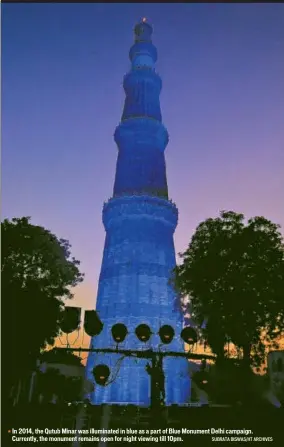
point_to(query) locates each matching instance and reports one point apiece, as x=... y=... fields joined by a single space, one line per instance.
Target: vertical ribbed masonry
x=139 y=250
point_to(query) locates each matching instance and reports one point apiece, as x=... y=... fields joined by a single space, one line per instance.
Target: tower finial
x=143 y=31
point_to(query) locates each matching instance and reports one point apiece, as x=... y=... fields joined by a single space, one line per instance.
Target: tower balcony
x=133 y=133
x=143 y=207
x=143 y=54
x=135 y=78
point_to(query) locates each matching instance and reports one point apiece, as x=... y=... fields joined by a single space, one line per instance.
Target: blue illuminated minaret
x=139 y=252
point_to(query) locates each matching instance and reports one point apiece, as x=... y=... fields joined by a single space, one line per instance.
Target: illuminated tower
x=139 y=253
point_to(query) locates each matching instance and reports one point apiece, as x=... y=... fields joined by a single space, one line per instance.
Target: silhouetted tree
x=234 y=275
x=38 y=272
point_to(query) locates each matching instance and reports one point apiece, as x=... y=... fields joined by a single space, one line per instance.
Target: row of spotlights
x=93 y=326
x=143 y=333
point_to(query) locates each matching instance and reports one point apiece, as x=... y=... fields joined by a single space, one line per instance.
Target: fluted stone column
x=139 y=252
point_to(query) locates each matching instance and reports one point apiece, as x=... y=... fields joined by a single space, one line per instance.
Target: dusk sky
x=222 y=67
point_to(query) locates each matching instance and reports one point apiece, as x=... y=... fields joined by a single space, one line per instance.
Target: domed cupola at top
x=143 y=54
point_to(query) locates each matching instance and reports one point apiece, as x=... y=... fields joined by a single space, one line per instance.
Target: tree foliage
x=38 y=273
x=234 y=275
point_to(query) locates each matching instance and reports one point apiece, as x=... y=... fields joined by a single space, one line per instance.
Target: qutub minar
x=139 y=253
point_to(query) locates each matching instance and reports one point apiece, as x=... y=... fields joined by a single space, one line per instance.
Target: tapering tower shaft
x=141 y=137
x=139 y=250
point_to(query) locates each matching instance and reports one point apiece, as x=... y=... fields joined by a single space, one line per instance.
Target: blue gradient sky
x=222 y=67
